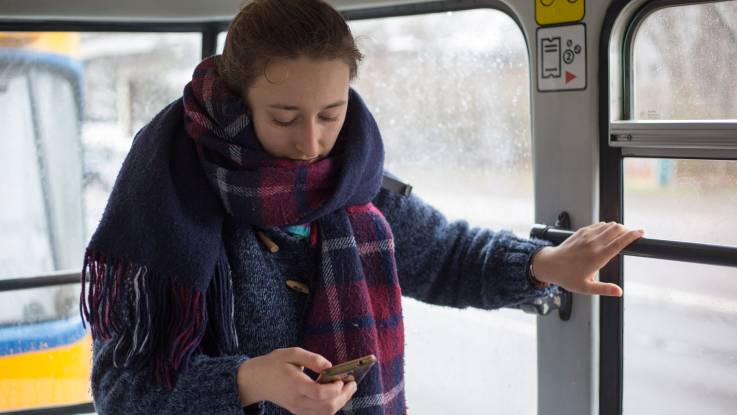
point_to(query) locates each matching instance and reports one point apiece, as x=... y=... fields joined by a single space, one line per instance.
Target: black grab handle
x=656 y=248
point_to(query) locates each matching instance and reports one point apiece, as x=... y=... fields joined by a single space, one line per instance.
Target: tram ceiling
x=142 y=10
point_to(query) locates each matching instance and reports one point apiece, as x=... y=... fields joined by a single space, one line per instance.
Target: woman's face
x=298 y=111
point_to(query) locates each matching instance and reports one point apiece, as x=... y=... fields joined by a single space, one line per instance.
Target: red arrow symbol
x=569 y=77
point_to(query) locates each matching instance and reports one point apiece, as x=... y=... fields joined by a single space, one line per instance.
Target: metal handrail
x=64 y=277
x=84 y=408
x=657 y=248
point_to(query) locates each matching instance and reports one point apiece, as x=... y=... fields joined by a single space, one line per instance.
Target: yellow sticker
x=558 y=11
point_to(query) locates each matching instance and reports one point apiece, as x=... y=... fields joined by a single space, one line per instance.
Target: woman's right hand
x=278 y=377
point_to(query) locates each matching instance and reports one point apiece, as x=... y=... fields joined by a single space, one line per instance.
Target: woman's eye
x=283 y=123
x=328 y=119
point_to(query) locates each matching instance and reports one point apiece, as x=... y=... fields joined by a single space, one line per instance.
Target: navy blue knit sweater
x=438 y=262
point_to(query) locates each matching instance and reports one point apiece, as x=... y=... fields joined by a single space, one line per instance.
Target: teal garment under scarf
x=298 y=231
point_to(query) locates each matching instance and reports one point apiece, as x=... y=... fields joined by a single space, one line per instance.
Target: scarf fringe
x=154 y=319
x=221 y=338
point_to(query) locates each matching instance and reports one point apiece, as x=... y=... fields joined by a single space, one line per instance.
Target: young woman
x=248 y=244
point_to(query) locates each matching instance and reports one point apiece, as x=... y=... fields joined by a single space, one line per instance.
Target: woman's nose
x=309 y=142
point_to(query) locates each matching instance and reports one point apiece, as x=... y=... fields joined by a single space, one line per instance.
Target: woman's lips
x=307 y=158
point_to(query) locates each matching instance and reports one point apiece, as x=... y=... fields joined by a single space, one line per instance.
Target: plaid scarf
x=160 y=241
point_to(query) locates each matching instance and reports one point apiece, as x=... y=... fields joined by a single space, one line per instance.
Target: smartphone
x=354 y=370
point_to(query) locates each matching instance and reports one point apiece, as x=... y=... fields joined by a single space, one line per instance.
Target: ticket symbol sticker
x=549 y=12
x=561 y=58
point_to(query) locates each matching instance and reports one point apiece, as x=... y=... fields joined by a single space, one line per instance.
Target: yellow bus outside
x=45 y=362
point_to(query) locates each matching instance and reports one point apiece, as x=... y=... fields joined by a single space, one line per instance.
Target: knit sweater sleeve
x=208 y=387
x=452 y=264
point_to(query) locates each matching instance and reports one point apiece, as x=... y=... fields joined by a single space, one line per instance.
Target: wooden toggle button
x=298 y=286
x=270 y=245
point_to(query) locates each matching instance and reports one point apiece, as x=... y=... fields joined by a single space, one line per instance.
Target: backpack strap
x=395 y=185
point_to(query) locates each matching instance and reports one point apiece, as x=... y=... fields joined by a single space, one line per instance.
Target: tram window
x=700 y=196
x=41 y=178
x=221 y=42
x=450 y=93
x=64 y=149
x=24 y=243
x=679 y=338
x=684 y=59
x=128 y=77
x=679 y=318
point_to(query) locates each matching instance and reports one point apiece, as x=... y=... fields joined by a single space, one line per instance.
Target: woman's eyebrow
x=295 y=108
x=335 y=104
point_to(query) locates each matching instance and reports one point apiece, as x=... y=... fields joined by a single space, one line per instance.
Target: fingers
x=291 y=388
x=336 y=398
x=606 y=229
x=586 y=251
x=349 y=388
x=612 y=237
x=594 y=233
x=302 y=357
x=622 y=240
x=603 y=288
x=321 y=391
x=598 y=227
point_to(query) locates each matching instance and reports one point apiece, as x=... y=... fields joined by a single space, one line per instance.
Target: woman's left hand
x=574 y=263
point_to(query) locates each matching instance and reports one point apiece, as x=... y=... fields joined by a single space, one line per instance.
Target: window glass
x=221 y=42
x=679 y=319
x=679 y=337
x=24 y=241
x=129 y=78
x=684 y=200
x=70 y=104
x=684 y=59
x=450 y=93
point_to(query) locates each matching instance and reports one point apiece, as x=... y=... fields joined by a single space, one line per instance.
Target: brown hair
x=267 y=29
